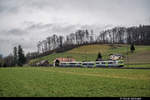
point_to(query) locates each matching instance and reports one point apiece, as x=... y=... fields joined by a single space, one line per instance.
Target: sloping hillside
x=89 y=53
x=90 y=49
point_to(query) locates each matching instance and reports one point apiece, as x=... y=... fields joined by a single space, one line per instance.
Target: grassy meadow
x=140 y=58
x=73 y=82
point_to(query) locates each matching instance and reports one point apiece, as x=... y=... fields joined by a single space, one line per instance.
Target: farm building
x=115 y=56
x=42 y=63
x=58 y=60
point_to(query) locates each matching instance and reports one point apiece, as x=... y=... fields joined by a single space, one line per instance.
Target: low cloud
x=29 y=36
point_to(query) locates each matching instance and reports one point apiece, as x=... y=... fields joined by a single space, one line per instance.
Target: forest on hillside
x=139 y=35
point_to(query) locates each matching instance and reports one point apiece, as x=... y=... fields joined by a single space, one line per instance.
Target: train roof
x=90 y=61
x=71 y=62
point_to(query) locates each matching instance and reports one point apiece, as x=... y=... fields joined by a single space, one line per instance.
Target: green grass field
x=73 y=82
x=89 y=53
x=41 y=81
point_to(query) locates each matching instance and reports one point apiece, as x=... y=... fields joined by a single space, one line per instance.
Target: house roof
x=65 y=59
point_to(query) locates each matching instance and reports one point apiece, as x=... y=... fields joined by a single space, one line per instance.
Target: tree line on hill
x=139 y=35
x=121 y=35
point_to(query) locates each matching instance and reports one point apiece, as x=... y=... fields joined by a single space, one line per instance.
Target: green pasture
x=73 y=82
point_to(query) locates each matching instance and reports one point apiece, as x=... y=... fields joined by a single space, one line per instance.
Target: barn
x=58 y=60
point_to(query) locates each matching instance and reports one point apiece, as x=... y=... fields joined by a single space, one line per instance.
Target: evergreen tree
x=99 y=57
x=57 y=63
x=15 y=55
x=1 y=60
x=21 y=57
x=132 y=48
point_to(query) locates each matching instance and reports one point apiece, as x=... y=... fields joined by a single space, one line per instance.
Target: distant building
x=58 y=60
x=115 y=56
x=43 y=63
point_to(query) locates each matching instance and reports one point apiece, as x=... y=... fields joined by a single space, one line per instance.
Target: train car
x=88 y=64
x=70 y=64
x=101 y=63
x=63 y=64
x=110 y=63
x=92 y=64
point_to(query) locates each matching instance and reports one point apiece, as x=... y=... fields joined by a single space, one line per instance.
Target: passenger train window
x=91 y=64
x=85 y=64
x=72 y=63
x=103 y=62
x=110 y=62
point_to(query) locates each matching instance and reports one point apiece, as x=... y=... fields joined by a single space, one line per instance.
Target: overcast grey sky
x=26 y=22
